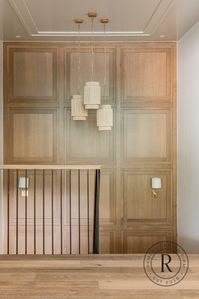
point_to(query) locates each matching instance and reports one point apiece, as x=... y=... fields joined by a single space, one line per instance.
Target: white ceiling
x=130 y=20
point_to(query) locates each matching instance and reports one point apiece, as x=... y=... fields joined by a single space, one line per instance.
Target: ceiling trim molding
x=22 y=11
x=24 y=15
x=157 y=17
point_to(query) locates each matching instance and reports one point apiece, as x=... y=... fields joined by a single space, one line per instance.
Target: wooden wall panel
x=107 y=198
x=139 y=243
x=146 y=134
x=95 y=146
x=33 y=135
x=33 y=73
x=107 y=242
x=39 y=80
x=139 y=204
x=150 y=69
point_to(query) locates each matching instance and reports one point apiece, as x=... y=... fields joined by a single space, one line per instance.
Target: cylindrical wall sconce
x=156 y=184
x=23 y=186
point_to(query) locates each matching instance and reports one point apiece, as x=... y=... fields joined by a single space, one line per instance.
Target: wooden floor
x=103 y=276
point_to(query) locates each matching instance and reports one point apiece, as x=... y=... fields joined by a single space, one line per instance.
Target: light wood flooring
x=88 y=277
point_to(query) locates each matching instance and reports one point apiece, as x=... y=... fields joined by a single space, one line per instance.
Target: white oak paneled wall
x=40 y=79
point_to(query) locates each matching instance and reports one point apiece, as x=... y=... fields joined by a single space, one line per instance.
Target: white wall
x=188 y=140
x=1 y=133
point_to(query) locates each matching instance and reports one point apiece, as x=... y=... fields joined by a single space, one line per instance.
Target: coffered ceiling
x=131 y=20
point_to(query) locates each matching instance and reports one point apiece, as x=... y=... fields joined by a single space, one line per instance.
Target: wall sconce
x=23 y=186
x=156 y=184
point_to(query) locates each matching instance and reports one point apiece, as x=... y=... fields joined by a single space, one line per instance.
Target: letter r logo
x=166 y=263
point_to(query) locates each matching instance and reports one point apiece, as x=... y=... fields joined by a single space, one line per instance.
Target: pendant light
x=92 y=89
x=105 y=112
x=78 y=110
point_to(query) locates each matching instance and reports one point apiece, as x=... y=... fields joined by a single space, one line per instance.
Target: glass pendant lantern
x=78 y=110
x=105 y=112
x=92 y=89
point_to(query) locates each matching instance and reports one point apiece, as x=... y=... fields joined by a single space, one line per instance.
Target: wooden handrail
x=82 y=167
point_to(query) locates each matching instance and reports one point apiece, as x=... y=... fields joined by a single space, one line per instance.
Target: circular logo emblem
x=166 y=263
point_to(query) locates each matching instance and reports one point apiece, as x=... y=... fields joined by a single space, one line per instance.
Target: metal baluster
x=8 y=212
x=35 y=215
x=52 y=204
x=88 y=216
x=79 y=211
x=96 y=213
x=70 y=211
x=61 y=214
x=26 y=211
x=43 y=185
x=17 y=210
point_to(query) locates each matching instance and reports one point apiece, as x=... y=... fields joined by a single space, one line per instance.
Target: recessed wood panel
x=145 y=73
x=33 y=136
x=145 y=134
x=86 y=143
x=107 y=242
x=140 y=243
x=139 y=204
x=33 y=73
x=107 y=197
x=103 y=71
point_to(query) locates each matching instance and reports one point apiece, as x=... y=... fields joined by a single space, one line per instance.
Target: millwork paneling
x=146 y=134
x=107 y=197
x=33 y=135
x=146 y=73
x=139 y=204
x=86 y=143
x=140 y=243
x=33 y=74
x=107 y=241
x=39 y=80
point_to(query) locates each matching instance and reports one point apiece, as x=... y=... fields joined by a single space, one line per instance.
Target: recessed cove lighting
x=88 y=33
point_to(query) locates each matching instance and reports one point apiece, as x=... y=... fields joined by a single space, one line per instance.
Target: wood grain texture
x=138 y=200
x=150 y=71
x=141 y=86
x=149 y=136
x=34 y=74
x=107 y=276
x=30 y=129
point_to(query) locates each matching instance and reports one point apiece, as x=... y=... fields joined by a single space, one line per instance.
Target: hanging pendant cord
x=105 y=61
x=79 y=61
x=78 y=23
x=92 y=51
